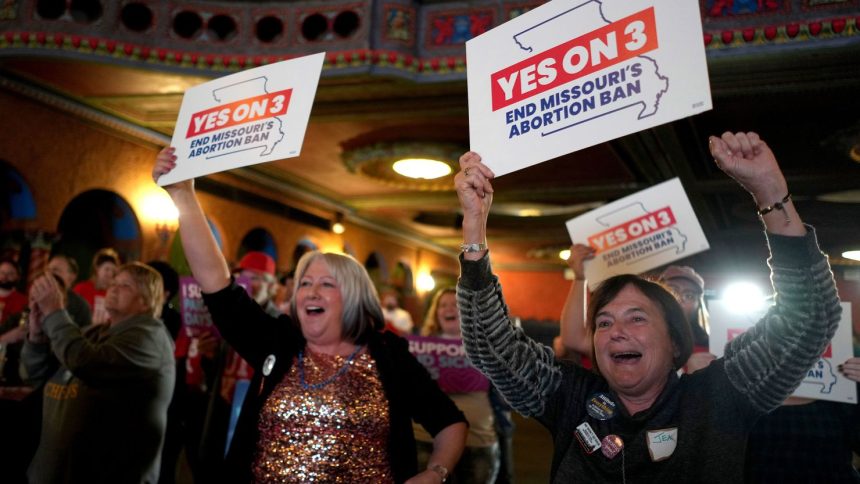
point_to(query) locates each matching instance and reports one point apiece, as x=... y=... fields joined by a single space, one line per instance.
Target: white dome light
x=421 y=168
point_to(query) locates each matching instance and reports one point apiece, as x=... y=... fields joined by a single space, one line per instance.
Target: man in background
x=259 y=268
x=66 y=268
x=398 y=317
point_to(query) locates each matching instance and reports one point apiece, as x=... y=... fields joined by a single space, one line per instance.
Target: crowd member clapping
x=634 y=418
x=333 y=397
x=105 y=408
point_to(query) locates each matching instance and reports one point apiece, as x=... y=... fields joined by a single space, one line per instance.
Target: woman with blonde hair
x=480 y=460
x=332 y=397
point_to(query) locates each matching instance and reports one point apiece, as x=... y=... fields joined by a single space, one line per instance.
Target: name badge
x=587 y=438
x=662 y=443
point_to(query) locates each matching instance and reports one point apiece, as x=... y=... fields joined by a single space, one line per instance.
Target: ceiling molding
x=82 y=111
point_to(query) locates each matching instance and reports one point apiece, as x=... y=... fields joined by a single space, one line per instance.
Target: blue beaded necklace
x=317 y=386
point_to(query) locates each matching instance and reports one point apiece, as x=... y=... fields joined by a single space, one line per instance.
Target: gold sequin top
x=337 y=433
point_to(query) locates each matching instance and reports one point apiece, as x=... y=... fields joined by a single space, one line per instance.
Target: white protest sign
x=574 y=73
x=245 y=118
x=639 y=232
x=822 y=381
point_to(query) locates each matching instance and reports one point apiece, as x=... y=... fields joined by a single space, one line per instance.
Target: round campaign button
x=611 y=445
x=601 y=406
x=268 y=365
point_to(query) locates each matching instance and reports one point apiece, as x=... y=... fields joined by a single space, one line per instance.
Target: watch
x=439 y=469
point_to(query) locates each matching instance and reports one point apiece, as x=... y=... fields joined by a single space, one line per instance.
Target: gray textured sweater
x=703 y=418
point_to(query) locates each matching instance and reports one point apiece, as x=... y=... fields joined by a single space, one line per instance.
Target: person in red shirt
x=12 y=333
x=12 y=301
x=93 y=290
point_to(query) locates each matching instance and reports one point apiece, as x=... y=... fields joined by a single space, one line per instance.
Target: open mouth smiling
x=314 y=310
x=626 y=357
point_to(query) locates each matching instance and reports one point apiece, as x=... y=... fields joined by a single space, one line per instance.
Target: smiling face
x=632 y=346
x=447 y=315
x=319 y=304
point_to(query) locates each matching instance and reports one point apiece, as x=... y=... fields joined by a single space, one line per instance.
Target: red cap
x=258 y=261
x=683 y=272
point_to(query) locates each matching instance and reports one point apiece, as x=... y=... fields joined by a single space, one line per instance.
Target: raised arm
x=574 y=334
x=36 y=356
x=748 y=159
x=769 y=361
x=205 y=259
x=134 y=352
x=524 y=371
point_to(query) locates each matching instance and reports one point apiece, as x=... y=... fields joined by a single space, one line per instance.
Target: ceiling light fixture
x=852 y=254
x=410 y=165
x=421 y=168
x=337 y=226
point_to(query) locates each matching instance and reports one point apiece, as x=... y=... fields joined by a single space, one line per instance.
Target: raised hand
x=473 y=186
x=579 y=253
x=164 y=163
x=46 y=295
x=749 y=160
x=476 y=196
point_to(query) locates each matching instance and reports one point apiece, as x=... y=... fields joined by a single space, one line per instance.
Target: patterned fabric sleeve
x=524 y=371
x=769 y=361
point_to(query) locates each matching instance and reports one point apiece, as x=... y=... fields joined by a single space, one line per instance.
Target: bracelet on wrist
x=439 y=469
x=780 y=205
x=473 y=247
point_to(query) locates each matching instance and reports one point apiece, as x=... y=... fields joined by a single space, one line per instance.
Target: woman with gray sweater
x=633 y=417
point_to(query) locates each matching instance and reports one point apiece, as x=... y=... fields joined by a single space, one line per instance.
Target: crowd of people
x=317 y=362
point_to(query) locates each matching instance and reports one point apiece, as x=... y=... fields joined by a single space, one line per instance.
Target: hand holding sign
x=164 y=163
x=475 y=193
x=851 y=369
x=579 y=253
